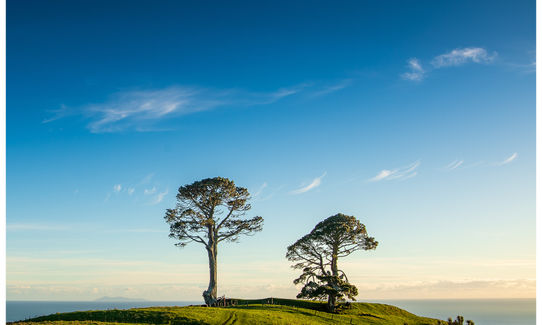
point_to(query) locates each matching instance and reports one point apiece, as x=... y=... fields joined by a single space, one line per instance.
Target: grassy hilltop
x=282 y=311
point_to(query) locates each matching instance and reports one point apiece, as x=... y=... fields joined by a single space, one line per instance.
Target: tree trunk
x=332 y=298
x=210 y=294
x=331 y=301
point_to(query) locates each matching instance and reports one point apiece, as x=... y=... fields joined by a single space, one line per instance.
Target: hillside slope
x=283 y=311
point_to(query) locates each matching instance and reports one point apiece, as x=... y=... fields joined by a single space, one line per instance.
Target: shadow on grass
x=120 y=316
x=296 y=311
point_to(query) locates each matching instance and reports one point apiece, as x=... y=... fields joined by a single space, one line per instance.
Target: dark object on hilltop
x=458 y=321
x=317 y=254
x=208 y=212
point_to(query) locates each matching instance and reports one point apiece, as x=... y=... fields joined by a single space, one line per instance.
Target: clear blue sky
x=417 y=117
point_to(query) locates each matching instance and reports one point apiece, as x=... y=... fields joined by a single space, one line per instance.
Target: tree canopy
x=208 y=212
x=317 y=254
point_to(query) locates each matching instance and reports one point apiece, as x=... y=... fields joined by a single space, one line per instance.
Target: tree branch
x=226 y=218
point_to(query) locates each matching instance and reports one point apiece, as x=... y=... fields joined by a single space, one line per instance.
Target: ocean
x=20 y=310
x=481 y=311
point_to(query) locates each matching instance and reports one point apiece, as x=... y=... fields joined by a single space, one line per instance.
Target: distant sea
x=20 y=310
x=481 y=311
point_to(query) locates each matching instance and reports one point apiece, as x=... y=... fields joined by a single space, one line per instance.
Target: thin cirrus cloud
x=314 y=184
x=461 y=163
x=149 y=191
x=141 y=110
x=34 y=227
x=524 y=67
x=146 y=179
x=453 y=58
x=508 y=160
x=416 y=72
x=332 y=88
x=260 y=189
x=159 y=197
x=462 y=56
x=454 y=164
x=402 y=173
x=138 y=109
x=117 y=188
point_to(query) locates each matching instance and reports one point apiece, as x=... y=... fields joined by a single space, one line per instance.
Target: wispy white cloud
x=126 y=109
x=159 y=197
x=281 y=93
x=523 y=67
x=332 y=88
x=141 y=110
x=383 y=174
x=149 y=191
x=416 y=72
x=528 y=68
x=146 y=179
x=454 y=164
x=137 y=230
x=57 y=114
x=260 y=189
x=461 y=56
x=402 y=173
x=34 y=226
x=315 y=183
x=531 y=67
x=118 y=189
x=508 y=160
x=270 y=195
x=455 y=57
x=74 y=227
x=406 y=176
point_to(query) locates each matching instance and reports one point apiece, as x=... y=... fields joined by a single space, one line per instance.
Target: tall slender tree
x=317 y=255
x=208 y=212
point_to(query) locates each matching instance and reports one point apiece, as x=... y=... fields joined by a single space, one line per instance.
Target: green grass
x=283 y=311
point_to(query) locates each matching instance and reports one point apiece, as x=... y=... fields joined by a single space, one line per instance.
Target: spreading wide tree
x=317 y=255
x=208 y=212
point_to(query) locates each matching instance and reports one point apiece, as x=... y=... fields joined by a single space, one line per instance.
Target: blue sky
x=418 y=118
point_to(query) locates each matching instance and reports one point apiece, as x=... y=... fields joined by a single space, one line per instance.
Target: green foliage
x=459 y=321
x=283 y=311
x=211 y=209
x=325 y=285
x=317 y=254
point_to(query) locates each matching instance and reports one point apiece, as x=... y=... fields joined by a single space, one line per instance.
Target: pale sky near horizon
x=418 y=119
